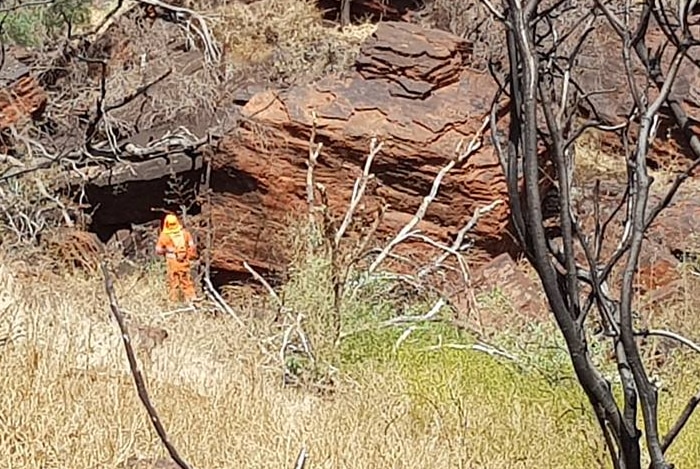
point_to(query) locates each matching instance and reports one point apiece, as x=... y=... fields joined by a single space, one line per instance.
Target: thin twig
x=403 y=337
x=462 y=156
x=218 y=299
x=681 y=422
x=459 y=240
x=172 y=312
x=313 y=158
x=358 y=190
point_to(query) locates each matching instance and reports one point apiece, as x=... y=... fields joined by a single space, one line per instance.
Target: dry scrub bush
x=32 y=206
x=286 y=39
x=471 y=20
x=142 y=54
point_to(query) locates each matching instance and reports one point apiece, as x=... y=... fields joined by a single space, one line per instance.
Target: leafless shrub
x=346 y=246
x=287 y=41
x=181 y=194
x=29 y=208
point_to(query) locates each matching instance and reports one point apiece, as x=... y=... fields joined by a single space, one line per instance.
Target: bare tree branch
x=669 y=335
x=461 y=156
x=136 y=371
x=683 y=419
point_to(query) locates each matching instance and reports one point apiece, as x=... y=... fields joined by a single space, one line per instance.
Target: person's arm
x=161 y=244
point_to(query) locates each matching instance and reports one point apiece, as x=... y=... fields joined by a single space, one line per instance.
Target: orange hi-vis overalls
x=177 y=245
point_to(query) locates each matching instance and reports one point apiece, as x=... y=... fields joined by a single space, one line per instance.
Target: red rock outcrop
x=21 y=95
x=413 y=91
x=603 y=53
x=19 y=100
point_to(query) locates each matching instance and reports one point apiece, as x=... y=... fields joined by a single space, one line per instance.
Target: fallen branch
x=301 y=459
x=136 y=371
x=220 y=302
x=479 y=347
x=430 y=316
x=176 y=141
x=264 y=283
x=172 y=312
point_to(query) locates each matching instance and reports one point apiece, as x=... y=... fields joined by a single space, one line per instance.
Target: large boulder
x=413 y=90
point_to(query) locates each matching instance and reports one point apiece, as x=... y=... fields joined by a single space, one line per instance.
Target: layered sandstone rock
x=412 y=90
x=21 y=95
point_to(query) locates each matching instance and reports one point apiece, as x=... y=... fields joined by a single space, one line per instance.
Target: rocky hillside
x=170 y=104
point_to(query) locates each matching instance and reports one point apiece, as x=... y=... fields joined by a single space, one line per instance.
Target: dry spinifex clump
x=287 y=39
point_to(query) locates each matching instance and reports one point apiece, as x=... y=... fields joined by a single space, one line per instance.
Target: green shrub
x=43 y=24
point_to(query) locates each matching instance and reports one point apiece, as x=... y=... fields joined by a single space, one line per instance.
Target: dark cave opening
x=114 y=208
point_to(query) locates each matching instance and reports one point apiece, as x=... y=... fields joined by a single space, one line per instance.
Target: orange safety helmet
x=171 y=224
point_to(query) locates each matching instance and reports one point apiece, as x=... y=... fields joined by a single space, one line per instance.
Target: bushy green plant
x=34 y=25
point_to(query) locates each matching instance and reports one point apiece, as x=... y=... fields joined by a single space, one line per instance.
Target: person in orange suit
x=178 y=247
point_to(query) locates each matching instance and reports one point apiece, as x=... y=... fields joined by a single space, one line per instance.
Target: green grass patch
x=491 y=411
x=33 y=25
x=529 y=412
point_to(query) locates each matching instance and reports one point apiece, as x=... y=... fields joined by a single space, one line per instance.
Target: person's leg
x=173 y=284
x=188 y=285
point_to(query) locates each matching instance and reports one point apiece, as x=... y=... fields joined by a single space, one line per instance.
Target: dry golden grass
x=594 y=160
x=288 y=38
x=68 y=401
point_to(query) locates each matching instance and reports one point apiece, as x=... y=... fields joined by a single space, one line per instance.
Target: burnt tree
x=549 y=107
